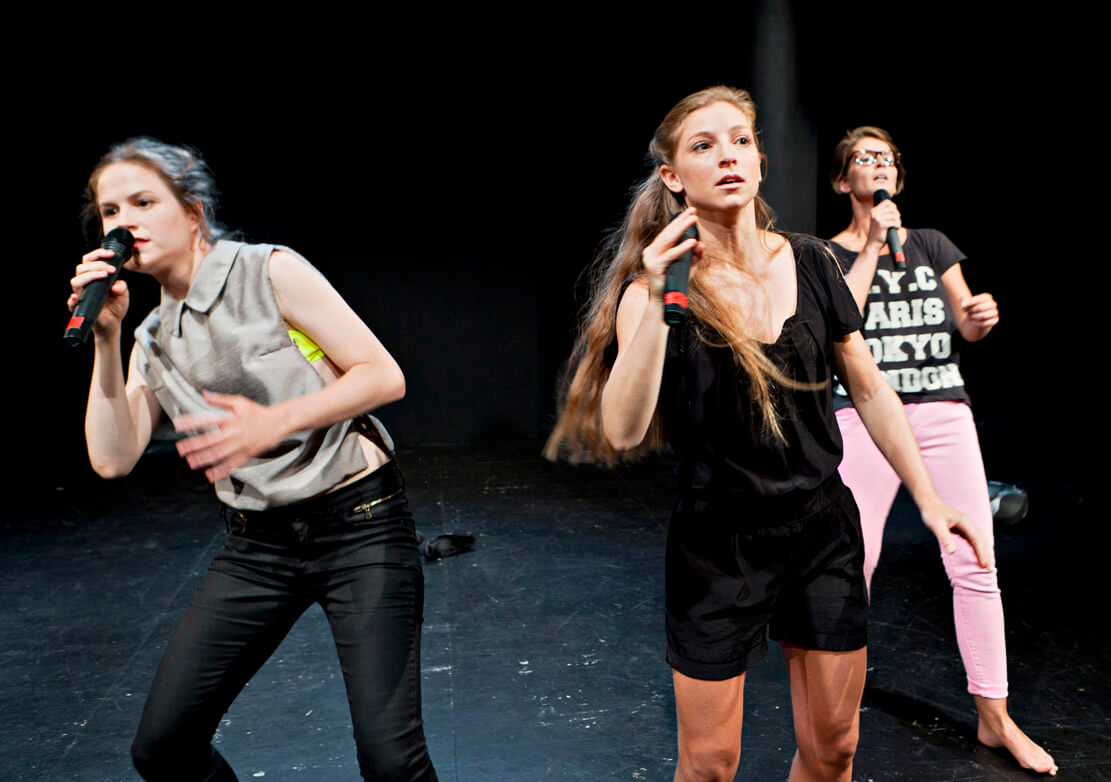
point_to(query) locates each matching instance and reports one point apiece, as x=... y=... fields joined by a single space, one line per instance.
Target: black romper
x=763 y=532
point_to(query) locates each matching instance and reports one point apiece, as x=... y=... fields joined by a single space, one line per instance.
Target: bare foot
x=998 y=730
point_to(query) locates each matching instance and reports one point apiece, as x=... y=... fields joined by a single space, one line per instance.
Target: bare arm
x=976 y=315
x=883 y=416
x=863 y=271
x=370 y=378
x=629 y=398
x=859 y=277
x=120 y=415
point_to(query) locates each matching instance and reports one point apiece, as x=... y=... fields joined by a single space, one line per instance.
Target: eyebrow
x=733 y=129
x=126 y=198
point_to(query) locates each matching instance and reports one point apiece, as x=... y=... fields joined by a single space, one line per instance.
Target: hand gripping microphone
x=119 y=241
x=893 y=243
x=675 y=283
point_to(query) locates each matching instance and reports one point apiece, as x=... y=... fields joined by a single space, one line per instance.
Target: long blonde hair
x=578 y=435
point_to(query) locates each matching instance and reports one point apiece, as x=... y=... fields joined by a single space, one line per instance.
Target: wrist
x=281 y=420
x=106 y=337
x=925 y=498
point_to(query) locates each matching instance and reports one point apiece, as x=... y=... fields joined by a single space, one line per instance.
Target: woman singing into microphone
x=269 y=374
x=763 y=532
x=911 y=318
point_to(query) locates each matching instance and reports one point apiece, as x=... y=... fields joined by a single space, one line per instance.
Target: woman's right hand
x=93 y=266
x=663 y=251
x=884 y=216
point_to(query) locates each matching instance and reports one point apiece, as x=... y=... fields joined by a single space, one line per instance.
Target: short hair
x=181 y=168
x=843 y=155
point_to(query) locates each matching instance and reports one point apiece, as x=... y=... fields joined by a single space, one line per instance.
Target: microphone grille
x=878 y=197
x=120 y=241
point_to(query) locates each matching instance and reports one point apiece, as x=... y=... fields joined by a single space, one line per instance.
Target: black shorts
x=737 y=565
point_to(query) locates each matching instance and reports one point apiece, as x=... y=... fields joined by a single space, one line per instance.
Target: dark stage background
x=452 y=174
x=453 y=188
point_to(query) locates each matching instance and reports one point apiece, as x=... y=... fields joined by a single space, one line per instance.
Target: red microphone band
x=75 y=322
x=674 y=297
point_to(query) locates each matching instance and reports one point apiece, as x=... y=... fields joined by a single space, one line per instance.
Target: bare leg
x=826 y=688
x=709 y=715
x=997 y=729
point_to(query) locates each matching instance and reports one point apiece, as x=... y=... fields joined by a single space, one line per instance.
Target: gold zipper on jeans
x=366 y=506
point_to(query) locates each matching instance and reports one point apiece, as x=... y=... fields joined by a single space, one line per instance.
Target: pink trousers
x=947 y=438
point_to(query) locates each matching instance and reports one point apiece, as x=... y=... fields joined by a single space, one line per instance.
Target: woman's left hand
x=227 y=441
x=944 y=521
x=981 y=310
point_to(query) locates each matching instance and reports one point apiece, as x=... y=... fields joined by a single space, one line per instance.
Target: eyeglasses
x=869 y=157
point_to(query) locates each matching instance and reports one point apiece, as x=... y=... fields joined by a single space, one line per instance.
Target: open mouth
x=731 y=179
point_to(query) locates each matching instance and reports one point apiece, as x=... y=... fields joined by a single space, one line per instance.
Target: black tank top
x=708 y=415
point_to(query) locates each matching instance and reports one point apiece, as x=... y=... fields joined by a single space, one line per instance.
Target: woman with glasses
x=913 y=306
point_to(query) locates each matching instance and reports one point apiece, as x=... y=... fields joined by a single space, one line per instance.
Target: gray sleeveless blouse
x=228 y=336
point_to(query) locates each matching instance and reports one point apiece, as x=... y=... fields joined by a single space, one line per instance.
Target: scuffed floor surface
x=543 y=648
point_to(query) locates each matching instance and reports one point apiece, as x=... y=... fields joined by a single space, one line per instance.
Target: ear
x=196 y=213
x=843 y=185
x=196 y=219
x=670 y=179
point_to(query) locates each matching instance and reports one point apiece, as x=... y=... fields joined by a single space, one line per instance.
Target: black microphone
x=675 y=283
x=893 y=243
x=119 y=241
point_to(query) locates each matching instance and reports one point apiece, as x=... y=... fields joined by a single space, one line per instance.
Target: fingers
x=967 y=529
x=980 y=542
x=673 y=254
x=673 y=232
x=92 y=267
x=87 y=272
x=945 y=538
x=206 y=448
x=663 y=250
x=119 y=288
x=219 y=442
x=887 y=215
x=98 y=253
x=981 y=547
x=198 y=422
x=678 y=225
x=981 y=308
x=227 y=401
x=945 y=522
x=217 y=451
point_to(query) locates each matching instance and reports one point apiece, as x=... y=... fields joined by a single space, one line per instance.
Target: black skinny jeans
x=354 y=551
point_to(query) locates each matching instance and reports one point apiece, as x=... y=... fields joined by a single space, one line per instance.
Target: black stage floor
x=543 y=648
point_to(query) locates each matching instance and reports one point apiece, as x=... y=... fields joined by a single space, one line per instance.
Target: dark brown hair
x=181 y=168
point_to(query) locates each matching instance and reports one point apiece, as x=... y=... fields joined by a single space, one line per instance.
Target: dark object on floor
x=444 y=545
x=556 y=625
x=1009 y=503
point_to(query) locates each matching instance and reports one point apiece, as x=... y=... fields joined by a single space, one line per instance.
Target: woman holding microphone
x=763 y=532
x=313 y=502
x=912 y=315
